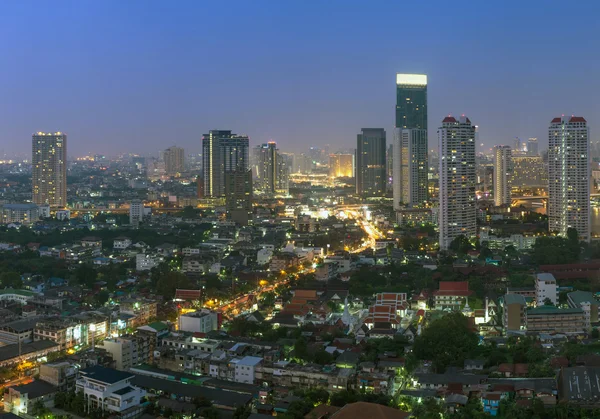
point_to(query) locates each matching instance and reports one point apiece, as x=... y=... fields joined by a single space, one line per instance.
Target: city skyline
x=115 y=101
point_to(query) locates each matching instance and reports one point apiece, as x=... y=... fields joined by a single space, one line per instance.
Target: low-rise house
x=23 y=398
x=474 y=364
x=121 y=243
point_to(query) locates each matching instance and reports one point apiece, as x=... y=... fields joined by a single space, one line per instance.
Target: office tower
x=341 y=165
x=502 y=175
x=389 y=165
x=284 y=163
x=370 y=162
x=411 y=101
x=529 y=171
x=532 y=147
x=569 y=176
x=174 y=160
x=457 y=214
x=409 y=160
x=49 y=168
x=222 y=152
x=410 y=167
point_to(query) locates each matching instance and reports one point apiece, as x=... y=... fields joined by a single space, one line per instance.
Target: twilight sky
x=141 y=75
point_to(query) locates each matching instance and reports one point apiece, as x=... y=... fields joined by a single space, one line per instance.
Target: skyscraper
x=49 y=169
x=411 y=101
x=222 y=152
x=174 y=160
x=409 y=160
x=370 y=162
x=457 y=213
x=503 y=168
x=410 y=167
x=532 y=147
x=569 y=176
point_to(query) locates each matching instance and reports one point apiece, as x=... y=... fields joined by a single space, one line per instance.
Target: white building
x=502 y=175
x=457 y=215
x=145 y=262
x=199 y=321
x=19 y=213
x=410 y=167
x=569 y=176
x=121 y=243
x=110 y=391
x=244 y=369
x=136 y=212
x=263 y=256
x=545 y=287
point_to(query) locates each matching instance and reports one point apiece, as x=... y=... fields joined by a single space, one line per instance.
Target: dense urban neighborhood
x=320 y=306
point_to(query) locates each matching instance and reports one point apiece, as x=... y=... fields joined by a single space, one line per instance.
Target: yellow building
x=341 y=165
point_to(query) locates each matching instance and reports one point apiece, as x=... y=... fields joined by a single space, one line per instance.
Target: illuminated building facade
x=502 y=175
x=569 y=176
x=174 y=160
x=49 y=169
x=529 y=171
x=341 y=165
x=222 y=152
x=457 y=213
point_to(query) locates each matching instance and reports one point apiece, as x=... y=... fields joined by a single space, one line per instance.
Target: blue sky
x=139 y=76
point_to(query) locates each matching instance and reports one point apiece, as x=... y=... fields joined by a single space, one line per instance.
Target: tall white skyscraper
x=410 y=167
x=502 y=175
x=457 y=213
x=569 y=176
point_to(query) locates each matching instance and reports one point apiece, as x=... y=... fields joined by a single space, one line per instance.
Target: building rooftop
x=250 y=361
x=579 y=297
x=551 y=310
x=368 y=410
x=36 y=389
x=105 y=375
x=514 y=299
x=546 y=277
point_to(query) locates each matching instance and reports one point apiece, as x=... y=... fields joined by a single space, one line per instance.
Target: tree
x=11 y=280
x=446 y=341
x=101 y=298
x=548 y=302
x=595 y=333
x=242 y=412
x=429 y=409
x=461 y=245
x=211 y=413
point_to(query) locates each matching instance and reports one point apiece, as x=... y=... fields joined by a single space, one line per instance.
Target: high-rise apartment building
x=410 y=167
x=270 y=169
x=370 y=162
x=409 y=161
x=569 y=176
x=49 y=168
x=457 y=212
x=174 y=160
x=502 y=175
x=341 y=165
x=529 y=171
x=222 y=152
x=532 y=147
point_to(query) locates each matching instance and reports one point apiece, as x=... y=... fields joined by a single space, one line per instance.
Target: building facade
x=502 y=175
x=341 y=165
x=569 y=176
x=457 y=213
x=370 y=162
x=410 y=168
x=174 y=160
x=49 y=169
x=222 y=152
x=19 y=213
x=409 y=160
